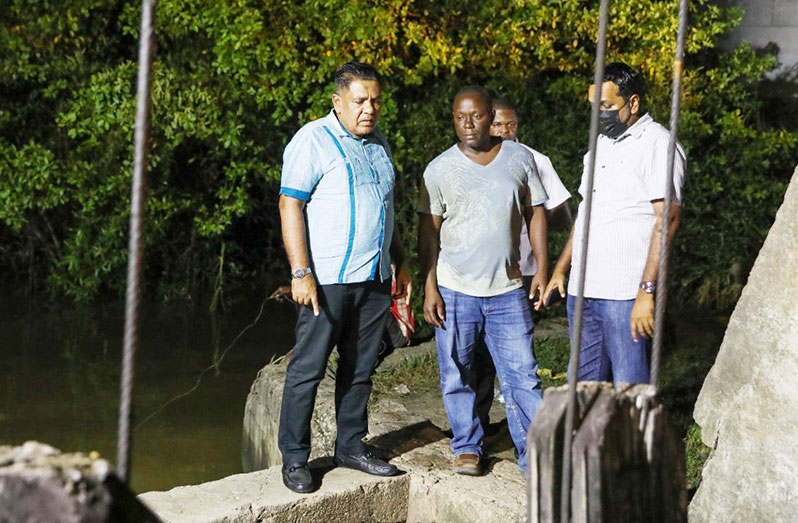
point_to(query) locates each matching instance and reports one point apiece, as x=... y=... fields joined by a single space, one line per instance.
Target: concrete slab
x=757 y=12
x=344 y=495
x=785 y=14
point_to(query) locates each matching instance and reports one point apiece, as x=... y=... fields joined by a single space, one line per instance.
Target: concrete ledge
x=408 y=427
x=345 y=495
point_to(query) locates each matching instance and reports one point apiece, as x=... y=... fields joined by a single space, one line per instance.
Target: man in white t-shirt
x=471 y=205
x=505 y=125
x=626 y=225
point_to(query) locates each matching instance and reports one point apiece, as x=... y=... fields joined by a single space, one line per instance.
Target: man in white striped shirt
x=625 y=233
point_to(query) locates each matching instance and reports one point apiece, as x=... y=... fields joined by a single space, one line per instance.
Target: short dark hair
x=354 y=71
x=504 y=103
x=628 y=80
x=475 y=89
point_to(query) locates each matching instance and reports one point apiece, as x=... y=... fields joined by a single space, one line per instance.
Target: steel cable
x=565 y=490
x=662 y=272
x=137 y=199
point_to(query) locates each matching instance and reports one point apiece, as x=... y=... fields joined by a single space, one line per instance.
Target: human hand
x=304 y=292
x=557 y=282
x=538 y=285
x=643 y=315
x=434 y=308
x=403 y=284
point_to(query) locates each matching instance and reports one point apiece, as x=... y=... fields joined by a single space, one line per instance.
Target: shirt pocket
x=386 y=175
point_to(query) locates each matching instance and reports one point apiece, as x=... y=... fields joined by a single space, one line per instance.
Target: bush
x=233 y=80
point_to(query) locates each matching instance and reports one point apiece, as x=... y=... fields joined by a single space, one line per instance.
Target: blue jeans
x=608 y=352
x=505 y=322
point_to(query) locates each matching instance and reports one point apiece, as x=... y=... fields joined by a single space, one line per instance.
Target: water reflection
x=59 y=382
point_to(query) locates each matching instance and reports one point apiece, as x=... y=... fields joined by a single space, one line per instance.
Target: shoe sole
x=394 y=472
x=307 y=490
x=468 y=471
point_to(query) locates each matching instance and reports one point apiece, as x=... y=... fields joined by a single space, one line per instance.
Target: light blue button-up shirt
x=348 y=186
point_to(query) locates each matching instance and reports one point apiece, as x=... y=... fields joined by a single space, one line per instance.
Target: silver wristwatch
x=298 y=274
x=648 y=286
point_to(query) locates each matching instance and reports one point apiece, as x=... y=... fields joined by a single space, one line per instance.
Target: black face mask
x=610 y=123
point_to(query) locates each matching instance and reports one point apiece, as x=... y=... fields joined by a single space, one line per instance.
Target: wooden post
x=628 y=464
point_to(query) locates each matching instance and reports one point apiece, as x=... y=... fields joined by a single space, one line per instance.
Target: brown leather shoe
x=467 y=464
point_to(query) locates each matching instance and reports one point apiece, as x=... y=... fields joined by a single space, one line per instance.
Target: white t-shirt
x=482 y=208
x=630 y=172
x=557 y=195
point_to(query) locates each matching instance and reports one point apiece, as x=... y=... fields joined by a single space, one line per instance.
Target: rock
x=39 y=483
x=747 y=408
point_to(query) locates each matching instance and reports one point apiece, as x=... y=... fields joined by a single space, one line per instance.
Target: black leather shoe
x=367 y=463
x=297 y=477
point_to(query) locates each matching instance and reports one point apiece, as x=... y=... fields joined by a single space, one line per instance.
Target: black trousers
x=351 y=317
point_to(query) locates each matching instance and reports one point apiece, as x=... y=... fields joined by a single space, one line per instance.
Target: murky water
x=59 y=382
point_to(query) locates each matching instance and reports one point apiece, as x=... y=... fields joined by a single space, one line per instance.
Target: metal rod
x=565 y=490
x=662 y=272
x=137 y=197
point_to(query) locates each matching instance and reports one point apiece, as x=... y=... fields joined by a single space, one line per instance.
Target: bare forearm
x=651 y=269
x=538 y=233
x=293 y=227
x=428 y=246
x=564 y=261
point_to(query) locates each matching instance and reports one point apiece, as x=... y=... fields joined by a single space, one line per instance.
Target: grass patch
x=552 y=355
x=417 y=372
x=421 y=372
x=696 y=454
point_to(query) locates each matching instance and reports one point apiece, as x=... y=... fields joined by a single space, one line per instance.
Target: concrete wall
x=767 y=21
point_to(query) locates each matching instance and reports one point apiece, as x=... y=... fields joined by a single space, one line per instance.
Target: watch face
x=648 y=287
x=300 y=273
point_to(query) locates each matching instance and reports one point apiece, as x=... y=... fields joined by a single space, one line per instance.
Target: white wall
x=768 y=21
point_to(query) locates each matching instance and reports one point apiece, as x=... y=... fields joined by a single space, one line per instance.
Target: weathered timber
x=39 y=483
x=627 y=463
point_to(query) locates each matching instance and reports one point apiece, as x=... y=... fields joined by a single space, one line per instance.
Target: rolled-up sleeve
x=656 y=176
x=301 y=171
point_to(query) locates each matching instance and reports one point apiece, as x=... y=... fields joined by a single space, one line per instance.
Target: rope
x=565 y=490
x=662 y=273
x=137 y=198
x=210 y=367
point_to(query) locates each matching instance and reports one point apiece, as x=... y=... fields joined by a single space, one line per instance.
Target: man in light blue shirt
x=337 y=212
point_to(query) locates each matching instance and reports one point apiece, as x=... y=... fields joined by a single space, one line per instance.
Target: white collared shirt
x=630 y=173
x=557 y=193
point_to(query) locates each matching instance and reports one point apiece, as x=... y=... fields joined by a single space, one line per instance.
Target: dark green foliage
x=233 y=80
